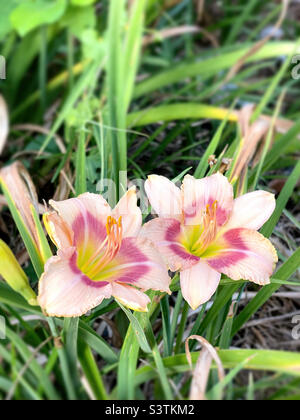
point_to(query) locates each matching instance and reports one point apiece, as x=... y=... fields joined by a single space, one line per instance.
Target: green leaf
x=240 y=21
x=279 y=148
x=6 y=8
x=44 y=244
x=184 y=111
x=90 y=337
x=165 y=311
x=82 y=3
x=31 y=14
x=80 y=183
x=115 y=86
x=216 y=392
x=67 y=374
x=26 y=236
x=91 y=371
x=203 y=164
x=268 y=142
x=127 y=366
x=70 y=333
x=77 y=20
x=282 y=201
x=138 y=330
x=211 y=66
x=221 y=300
x=225 y=339
x=86 y=79
x=158 y=360
x=264 y=360
x=133 y=48
x=5 y=384
x=10 y=297
x=38 y=371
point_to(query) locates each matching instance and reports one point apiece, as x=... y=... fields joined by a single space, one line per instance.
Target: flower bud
x=12 y=272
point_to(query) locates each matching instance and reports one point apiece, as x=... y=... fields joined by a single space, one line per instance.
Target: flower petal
x=243 y=254
x=165 y=234
x=131 y=214
x=93 y=204
x=130 y=297
x=59 y=231
x=86 y=216
x=140 y=264
x=199 y=283
x=165 y=198
x=252 y=210
x=64 y=291
x=198 y=193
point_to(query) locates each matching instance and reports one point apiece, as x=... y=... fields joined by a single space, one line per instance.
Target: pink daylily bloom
x=100 y=254
x=203 y=232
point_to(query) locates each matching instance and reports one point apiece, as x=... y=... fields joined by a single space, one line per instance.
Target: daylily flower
x=99 y=255
x=203 y=232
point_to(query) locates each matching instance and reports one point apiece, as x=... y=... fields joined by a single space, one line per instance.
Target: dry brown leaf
x=252 y=134
x=203 y=366
x=282 y=125
x=3 y=201
x=180 y=30
x=200 y=9
x=22 y=190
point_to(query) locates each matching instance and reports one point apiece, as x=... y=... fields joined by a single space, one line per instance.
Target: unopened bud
x=13 y=274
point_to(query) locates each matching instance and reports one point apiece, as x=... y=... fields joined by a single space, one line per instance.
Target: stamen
x=209 y=222
x=113 y=243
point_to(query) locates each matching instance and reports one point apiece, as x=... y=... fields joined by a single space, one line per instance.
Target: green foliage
x=82 y=3
x=6 y=9
x=87 y=73
x=31 y=14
